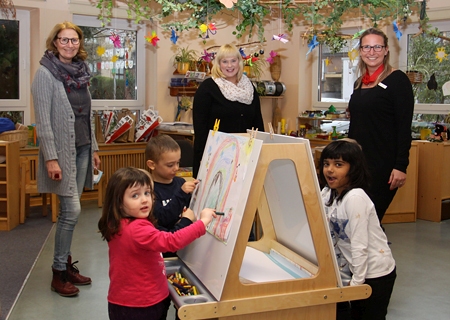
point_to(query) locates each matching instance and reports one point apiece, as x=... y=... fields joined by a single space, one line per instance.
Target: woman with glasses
x=381 y=109
x=67 y=145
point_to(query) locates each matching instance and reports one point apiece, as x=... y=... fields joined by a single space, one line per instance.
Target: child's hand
x=206 y=215
x=188 y=213
x=189 y=186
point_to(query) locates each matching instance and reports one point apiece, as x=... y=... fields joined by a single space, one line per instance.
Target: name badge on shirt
x=381 y=84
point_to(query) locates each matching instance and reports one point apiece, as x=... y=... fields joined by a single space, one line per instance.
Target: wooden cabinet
x=9 y=185
x=404 y=206
x=434 y=181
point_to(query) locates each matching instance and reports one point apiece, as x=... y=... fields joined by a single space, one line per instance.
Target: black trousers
x=375 y=307
x=155 y=312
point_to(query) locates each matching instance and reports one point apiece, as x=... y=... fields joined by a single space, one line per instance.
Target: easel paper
x=222 y=172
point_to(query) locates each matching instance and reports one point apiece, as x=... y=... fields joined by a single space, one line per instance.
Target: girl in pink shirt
x=138 y=284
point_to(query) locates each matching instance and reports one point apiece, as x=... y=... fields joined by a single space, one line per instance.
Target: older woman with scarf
x=67 y=144
x=228 y=96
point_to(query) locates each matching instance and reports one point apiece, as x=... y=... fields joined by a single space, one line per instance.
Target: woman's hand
x=53 y=170
x=397 y=179
x=97 y=160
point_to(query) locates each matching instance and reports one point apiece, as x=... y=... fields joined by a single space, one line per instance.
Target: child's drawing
x=222 y=172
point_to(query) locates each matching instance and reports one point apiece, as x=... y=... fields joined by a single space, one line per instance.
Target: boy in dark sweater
x=172 y=193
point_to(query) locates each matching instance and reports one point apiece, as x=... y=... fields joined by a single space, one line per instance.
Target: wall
x=297 y=70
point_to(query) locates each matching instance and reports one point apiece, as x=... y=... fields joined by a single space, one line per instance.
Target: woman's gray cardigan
x=56 y=133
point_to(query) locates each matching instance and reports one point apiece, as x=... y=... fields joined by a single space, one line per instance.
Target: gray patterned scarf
x=75 y=74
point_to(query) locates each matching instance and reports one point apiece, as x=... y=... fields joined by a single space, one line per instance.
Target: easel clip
x=252 y=135
x=271 y=130
x=216 y=126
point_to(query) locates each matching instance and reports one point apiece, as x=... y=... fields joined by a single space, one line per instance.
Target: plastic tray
x=175 y=265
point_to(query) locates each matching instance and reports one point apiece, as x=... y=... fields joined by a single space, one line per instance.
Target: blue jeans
x=70 y=210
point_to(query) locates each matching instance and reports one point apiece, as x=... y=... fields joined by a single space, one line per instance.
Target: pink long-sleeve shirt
x=136 y=268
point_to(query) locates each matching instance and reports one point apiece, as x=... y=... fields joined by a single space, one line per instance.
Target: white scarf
x=242 y=92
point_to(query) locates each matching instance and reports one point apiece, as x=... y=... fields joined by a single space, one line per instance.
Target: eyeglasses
x=66 y=40
x=376 y=48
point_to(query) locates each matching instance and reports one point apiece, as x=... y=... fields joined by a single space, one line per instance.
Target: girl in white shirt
x=361 y=245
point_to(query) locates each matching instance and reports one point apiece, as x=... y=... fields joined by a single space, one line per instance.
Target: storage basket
x=15 y=135
x=414 y=76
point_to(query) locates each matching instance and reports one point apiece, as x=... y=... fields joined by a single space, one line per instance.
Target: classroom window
x=14 y=66
x=111 y=59
x=430 y=69
x=421 y=53
x=9 y=59
x=116 y=61
x=337 y=73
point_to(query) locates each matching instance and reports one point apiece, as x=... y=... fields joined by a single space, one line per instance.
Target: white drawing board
x=226 y=173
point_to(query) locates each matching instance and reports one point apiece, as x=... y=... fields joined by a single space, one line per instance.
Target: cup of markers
x=182 y=285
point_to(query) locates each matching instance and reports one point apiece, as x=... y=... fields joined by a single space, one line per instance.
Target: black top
x=234 y=116
x=170 y=201
x=380 y=120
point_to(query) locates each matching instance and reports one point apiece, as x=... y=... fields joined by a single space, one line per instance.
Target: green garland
x=322 y=15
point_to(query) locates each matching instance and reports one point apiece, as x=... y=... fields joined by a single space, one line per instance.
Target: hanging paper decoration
x=207 y=29
x=352 y=54
x=115 y=38
x=174 y=37
x=272 y=55
x=153 y=39
x=114 y=58
x=312 y=44
x=228 y=3
x=328 y=61
x=206 y=56
x=358 y=34
x=203 y=28
x=241 y=51
x=100 y=51
x=441 y=54
x=398 y=33
x=280 y=37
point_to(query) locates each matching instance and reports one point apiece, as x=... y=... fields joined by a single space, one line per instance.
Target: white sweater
x=354 y=225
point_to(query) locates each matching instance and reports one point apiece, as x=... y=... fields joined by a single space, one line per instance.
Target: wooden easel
x=307 y=298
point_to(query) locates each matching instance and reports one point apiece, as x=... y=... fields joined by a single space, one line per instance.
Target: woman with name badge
x=381 y=109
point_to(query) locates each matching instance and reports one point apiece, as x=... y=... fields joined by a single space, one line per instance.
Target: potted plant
x=254 y=66
x=183 y=59
x=426 y=68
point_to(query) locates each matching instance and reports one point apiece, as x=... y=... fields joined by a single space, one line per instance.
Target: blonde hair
x=53 y=36
x=227 y=51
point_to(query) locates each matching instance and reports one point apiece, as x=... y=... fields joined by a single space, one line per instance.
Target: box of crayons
x=182 y=285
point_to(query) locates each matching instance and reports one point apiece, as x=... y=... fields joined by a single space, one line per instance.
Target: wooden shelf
x=182 y=91
x=9 y=185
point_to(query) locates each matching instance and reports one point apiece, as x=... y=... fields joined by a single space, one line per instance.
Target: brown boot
x=74 y=275
x=61 y=286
